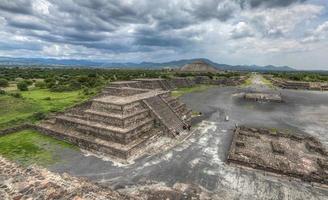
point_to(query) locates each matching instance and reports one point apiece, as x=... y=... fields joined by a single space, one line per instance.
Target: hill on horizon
x=199 y=66
x=51 y=62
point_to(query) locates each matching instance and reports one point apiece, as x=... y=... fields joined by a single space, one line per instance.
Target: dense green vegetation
x=22 y=86
x=29 y=147
x=27 y=105
x=302 y=76
x=4 y=82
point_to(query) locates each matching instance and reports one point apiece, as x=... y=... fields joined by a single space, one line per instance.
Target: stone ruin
x=231 y=81
x=298 y=85
x=263 y=97
x=156 y=83
x=124 y=118
x=282 y=153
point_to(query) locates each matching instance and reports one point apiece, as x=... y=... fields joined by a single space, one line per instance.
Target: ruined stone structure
x=285 y=84
x=232 y=81
x=263 y=97
x=123 y=119
x=156 y=83
x=293 y=155
x=296 y=85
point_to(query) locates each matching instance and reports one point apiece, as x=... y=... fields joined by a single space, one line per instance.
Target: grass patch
x=247 y=82
x=18 y=110
x=30 y=147
x=197 y=88
x=267 y=82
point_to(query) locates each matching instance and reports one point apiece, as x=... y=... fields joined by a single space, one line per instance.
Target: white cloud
x=278 y=22
x=242 y=30
x=319 y=34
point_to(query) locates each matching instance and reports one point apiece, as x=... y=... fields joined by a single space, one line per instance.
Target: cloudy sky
x=279 y=32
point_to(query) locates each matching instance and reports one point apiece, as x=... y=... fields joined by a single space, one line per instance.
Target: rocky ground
x=19 y=182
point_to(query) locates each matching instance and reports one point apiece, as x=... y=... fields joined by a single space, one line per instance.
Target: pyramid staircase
x=173 y=123
x=178 y=107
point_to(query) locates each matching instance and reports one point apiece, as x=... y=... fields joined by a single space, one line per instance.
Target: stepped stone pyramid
x=123 y=119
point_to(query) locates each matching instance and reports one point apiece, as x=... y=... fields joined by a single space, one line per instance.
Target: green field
x=17 y=110
x=30 y=147
x=267 y=82
x=197 y=88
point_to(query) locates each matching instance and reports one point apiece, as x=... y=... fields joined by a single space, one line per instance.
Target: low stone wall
x=181 y=82
x=16 y=129
x=298 y=85
x=84 y=144
x=233 y=81
x=123 y=92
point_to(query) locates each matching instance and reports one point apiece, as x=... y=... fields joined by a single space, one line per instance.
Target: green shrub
x=28 y=82
x=2 y=92
x=4 y=82
x=47 y=98
x=22 y=86
x=16 y=95
x=40 y=84
x=85 y=91
x=39 y=115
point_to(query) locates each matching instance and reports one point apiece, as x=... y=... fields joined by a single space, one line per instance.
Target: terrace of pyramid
x=124 y=118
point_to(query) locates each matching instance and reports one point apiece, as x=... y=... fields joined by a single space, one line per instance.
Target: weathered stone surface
x=282 y=153
x=263 y=97
x=37 y=183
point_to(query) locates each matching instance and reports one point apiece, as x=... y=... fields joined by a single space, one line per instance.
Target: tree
x=22 y=86
x=3 y=83
x=28 y=82
x=40 y=84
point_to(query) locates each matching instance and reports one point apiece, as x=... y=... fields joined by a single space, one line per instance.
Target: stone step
x=165 y=85
x=165 y=114
x=111 y=119
x=95 y=144
x=117 y=137
x=100 y=126
x=178 y=106
x=115 y=115
x=103 y=106
x=117 y=119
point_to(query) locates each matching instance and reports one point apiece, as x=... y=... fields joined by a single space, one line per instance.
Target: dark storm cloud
x=123 y=26
x=99 y=21
x=268 y=3
x=161 y=41
x=16 y=6
x=214 y=9
x=30 y=25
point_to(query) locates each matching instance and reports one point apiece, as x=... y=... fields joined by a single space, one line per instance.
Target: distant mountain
x=9 y=61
